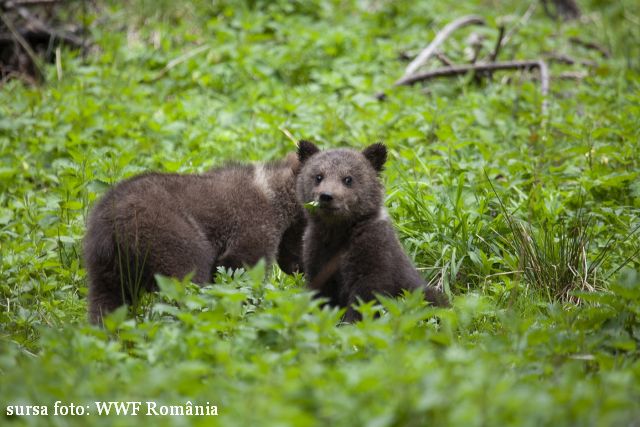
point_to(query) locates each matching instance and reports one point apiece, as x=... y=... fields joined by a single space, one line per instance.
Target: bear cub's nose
x=326 y=197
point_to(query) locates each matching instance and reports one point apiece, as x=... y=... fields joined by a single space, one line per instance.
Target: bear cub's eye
x=347 y=181
x=319 y=178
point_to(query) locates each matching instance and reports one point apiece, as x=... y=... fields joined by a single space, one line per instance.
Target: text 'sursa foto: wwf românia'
x=350 y=249
x=174 y=225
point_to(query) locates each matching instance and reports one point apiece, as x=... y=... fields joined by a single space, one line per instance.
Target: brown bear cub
x=350 y=249
x=175 y=225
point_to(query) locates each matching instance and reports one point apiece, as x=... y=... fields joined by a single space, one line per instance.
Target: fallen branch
x=456 y=70
x=442 y=35
x=480 y=67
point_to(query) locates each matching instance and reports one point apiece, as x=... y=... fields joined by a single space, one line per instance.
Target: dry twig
x=457 y=70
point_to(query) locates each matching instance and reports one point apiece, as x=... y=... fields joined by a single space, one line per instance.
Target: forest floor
x=521 y=203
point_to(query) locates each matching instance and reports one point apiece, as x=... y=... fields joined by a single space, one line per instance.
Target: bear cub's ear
x=306 y=149
x=377 y=155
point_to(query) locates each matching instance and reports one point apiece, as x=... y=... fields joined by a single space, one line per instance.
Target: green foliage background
x=176 y=86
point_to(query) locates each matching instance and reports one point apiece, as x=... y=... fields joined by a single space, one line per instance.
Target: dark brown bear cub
x=175 y=225
x=350 y=249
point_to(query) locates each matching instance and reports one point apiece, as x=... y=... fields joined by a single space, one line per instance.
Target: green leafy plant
x=543 y=328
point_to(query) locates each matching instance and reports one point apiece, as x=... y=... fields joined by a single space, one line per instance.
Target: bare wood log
x=442 y=35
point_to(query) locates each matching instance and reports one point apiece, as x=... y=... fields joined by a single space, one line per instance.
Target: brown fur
x=350 y=249
x=175 y=225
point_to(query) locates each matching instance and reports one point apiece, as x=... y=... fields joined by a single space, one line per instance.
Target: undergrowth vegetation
x=528 y=221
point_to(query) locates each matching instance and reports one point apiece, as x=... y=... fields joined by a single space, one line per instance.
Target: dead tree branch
x=457 y=70
x=442 y=35
x=480 y=67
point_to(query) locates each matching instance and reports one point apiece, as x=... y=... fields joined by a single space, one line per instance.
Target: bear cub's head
x=343 y=184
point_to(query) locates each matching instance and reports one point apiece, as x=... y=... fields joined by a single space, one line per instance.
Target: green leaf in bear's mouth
x=311 y=206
